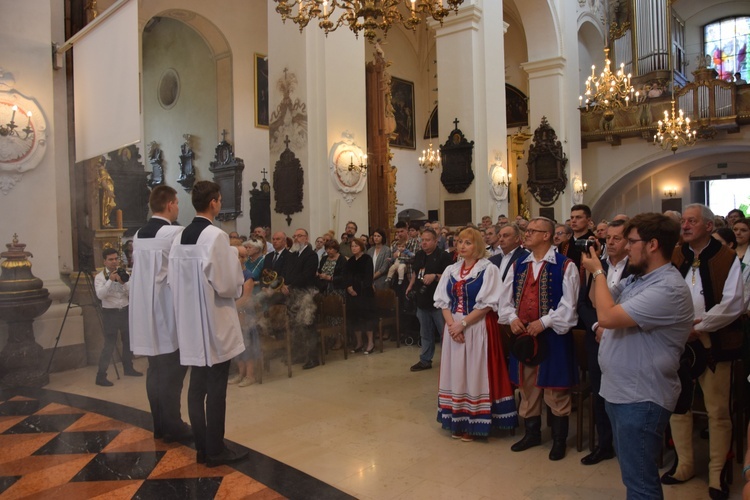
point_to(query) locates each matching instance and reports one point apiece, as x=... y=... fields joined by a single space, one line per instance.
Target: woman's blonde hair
x=480 y=251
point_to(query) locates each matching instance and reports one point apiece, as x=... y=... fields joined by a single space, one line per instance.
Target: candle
x=28 y=114
x=118 y=216
x=13 y=116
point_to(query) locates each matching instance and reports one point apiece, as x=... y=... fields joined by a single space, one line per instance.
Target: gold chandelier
x=430 y=159
x=674 y=131
x=608 y=91
x=364 y=15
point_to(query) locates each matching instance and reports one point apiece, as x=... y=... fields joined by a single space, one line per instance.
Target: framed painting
x=402 y=98
x=261 y=91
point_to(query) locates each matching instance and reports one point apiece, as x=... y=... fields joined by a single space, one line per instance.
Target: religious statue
x=390 y=113
x=106 y=193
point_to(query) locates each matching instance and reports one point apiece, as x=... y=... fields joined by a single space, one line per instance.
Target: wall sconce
x=580 y=188
x=670 y=192
x=361 y=168
x=9 y=130
x=500 y=180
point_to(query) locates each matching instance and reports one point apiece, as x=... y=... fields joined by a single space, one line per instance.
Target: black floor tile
x=196 y=487
x=9 y=408
x=44 y=423
x=7 y=481
x=77 y=442
x=120 y=466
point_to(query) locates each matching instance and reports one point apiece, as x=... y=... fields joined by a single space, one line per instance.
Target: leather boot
x=533 y=435
x=559 y=437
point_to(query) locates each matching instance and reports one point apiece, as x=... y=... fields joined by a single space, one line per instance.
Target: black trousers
x=164 y=380
x=207 y=406
x=601 y=420
x=114 y=321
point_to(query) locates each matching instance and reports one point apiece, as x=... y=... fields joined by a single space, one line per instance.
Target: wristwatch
x=596 y=273
x=463 y=323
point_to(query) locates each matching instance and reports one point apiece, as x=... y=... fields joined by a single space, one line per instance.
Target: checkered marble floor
x=52 y=445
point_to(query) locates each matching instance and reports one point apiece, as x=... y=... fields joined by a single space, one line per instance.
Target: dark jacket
x=518 y=253
x=301 y=269
x=339 y=276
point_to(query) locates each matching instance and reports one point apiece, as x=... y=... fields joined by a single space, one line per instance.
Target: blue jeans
x=431 y=323
x=638 y=430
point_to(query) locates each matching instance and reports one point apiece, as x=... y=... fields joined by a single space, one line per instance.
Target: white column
x=553 y=93
x=471 y=82
x=330 y=76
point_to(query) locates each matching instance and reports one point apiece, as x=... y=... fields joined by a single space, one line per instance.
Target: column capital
x=554 y=66
x=468 y=17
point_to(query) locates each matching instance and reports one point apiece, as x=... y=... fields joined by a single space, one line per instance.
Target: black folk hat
x=530 y=350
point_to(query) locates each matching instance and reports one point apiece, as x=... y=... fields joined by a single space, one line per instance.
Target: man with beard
x=345 y=247
x=615 y=269
x=646 y=320
x=299 y=288
x=713 y=275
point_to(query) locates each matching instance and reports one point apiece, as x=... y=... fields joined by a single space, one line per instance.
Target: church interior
x=308 y=125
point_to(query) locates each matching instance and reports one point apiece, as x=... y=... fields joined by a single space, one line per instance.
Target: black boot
x=533 y=436
x=559 y=437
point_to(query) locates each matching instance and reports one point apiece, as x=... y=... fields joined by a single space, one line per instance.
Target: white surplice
x=206 y=278
x=152 y=323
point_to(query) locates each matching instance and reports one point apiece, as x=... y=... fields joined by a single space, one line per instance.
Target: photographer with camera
x=427 y=267
x=113 y=289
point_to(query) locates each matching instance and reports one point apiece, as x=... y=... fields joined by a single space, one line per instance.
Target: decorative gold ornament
x=368 y=16
x=608 y=91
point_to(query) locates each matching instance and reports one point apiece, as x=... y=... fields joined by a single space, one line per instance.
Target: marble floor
x=367 y=427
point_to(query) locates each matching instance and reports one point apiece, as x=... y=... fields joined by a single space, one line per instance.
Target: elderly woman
x=332 y=279
x=256 y=255
x=359 y=311
x=380 y=253
x=474 y=392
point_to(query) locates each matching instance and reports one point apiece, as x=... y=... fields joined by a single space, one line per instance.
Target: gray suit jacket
x=380 y=265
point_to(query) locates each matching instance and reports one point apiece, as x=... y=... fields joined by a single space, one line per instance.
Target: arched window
x=726 y=42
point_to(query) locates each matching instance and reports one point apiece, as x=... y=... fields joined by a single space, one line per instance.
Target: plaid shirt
x=412 y=244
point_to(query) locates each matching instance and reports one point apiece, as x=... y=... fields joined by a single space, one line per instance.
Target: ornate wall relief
x=345 y=162
x=23 y=133
x=289 y=119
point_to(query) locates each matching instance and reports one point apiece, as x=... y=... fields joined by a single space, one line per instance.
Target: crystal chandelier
x=608 y=91
x=368 y=16
x=430 y=159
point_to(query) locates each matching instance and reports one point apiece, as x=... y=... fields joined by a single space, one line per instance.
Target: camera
x=123 y=274
x=584 y=245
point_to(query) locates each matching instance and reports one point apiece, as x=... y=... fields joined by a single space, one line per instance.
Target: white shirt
x=560 y=319
x=505 y=260
x=205 y=279
x=722 y=314
x=494 y=250
x=614 y=272
x=153 y=330
x=112 y=294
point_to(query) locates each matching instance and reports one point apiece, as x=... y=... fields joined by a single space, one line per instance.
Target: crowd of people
x=661 y=299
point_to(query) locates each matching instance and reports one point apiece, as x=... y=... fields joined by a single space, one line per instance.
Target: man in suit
x=615 y=267
x=491 y=238
x=277 y=260
x=509 y=243
x=299 y=289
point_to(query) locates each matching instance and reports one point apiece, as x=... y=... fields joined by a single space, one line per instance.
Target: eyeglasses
x=529 y=230
x=632 y=241
x=559 y=233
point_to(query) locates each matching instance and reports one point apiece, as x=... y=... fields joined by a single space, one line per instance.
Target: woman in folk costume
x=474 y=393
